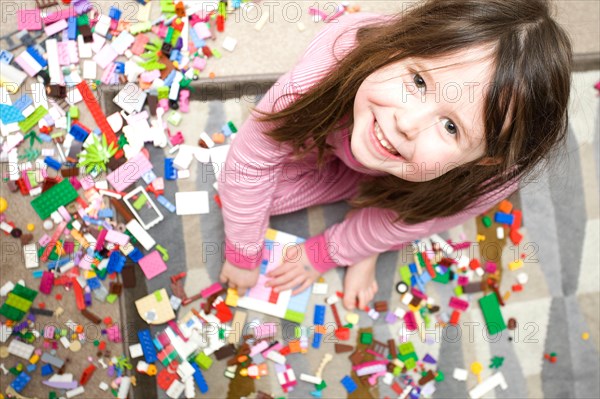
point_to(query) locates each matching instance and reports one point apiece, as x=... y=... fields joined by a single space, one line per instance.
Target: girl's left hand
x=295 y=270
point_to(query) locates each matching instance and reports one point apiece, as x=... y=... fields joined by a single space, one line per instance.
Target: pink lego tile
x=29 y=19
x=152 y=265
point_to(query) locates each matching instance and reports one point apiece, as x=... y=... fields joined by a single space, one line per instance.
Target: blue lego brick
x=57 y=264
x=170 y=171
x=136 y=255
x=175 y=55
x=20 y=382
x=199 y=378
x=37 y=56
x=319 y=317
x=299 y=301
x=31 y=368
x=236 y=4
x=10 y=114
x=116 y=261
x=198 y=43
x=52 y=163
x=170 y=78
x=349 y=384
x=263 y=266
x=78 y=132
x=413 y=268
x=159 y=347
x=94 y=283
x=147 y=345
x=425 y=277
x=505 y=218
x=46 y=370
x=166 y=203
x=114 y=13
x=105 y=213
x=316 y=343
x=23 y=102
x=226 y=130
x=120 y=67
x=72 y=28
x=6 y=56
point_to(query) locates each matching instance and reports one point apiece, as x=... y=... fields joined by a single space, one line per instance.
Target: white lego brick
x=460 y=374
x=176 y=389
x=500 y=232
x=522 y=278
x=103 y=25
x=319 y=288
x=85 y=49
x=190 y=388
x=140 y=234
x=31 y=256
x=103 y=386
x=98 y=43
x=183 y=159
x=20 y=349
x=136 y=351
x=310 y=379
x=496 y=380
x=202 y=154
x=5 y=332
x=185 y=370
x=56 y=76
x=276 y=357
x=75 y=392
x=39 y=96
x=229 y=43
x=207 y=140
x=6 y=288
x=124 y=388
x=89 y=69
x=122 y=42
x=192 y=202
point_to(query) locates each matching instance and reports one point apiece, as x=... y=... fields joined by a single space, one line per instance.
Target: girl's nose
x=412 y=118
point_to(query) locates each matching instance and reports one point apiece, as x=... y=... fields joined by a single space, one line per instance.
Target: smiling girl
x=422 y=120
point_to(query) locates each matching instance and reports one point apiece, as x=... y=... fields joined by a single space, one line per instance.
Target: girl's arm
x=369 y=231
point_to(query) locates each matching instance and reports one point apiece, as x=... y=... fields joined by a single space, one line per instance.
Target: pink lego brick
x=28 y=63
x=463 y=280
x=140 y=43
x=410 y=321
x=116 y=237
x=258 y=348
x=213 y=289
x=59 y=15
x=105 y=56
x=29 y=19
x=129 y=172
x=265 y=330
x=459 y=304
x=47 y=283
x=49 y=331
x=63 y=53
x=199 y=63
x=114 y=333
x=56 y=27
x=152 y=265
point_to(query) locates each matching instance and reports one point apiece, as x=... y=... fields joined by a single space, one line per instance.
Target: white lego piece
x=310 y=379
x=202 y=154
x=192 y=202
x=319 y=288
x=136 y=351
x=229 y=43
x=496 y=380
x=141 y=191
x=276 y=357
x=31 y=256
x=131 y=99
x=89 y=69
x=6 y=288
x=4 y=370
x=12 y=77
x=122 y=42
x=500 y=232
x=175 y=302
x=75 y=391
x=388 y=378
x=407 y=298
x=103 y=25
x=56 y=76
x=124 y=388
x=103 y=386
x=460 y=374
x=183 y=159
x=262 y=21
x=20 y=349
x=175 y=390
x=85 y=49
x=98 y=43
x=39 y=96
x=140 y=234
x=522 y=278
x=190 y=388
x=65 y=342
x=332 y=299
x=207 y=140
x=5 y=332
x=185 y=370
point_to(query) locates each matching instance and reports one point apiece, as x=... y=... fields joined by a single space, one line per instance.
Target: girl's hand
x=238 y=278
x=295 y=270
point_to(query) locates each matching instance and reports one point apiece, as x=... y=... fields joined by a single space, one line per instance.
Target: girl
x=422 y=120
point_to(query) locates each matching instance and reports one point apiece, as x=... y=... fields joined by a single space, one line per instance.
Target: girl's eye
x=419 y=81
x=451 y=127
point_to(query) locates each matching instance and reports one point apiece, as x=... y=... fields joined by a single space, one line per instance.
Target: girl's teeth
x=380 y=136
x=383 y=141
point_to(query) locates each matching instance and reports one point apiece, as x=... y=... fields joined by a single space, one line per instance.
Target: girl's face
x=418 y=118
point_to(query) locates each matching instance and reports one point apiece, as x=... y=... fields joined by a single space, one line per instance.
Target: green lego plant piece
x=439 y=377
x=97 y=154
x=492 y=314
x=366 y=338
x=60 y=194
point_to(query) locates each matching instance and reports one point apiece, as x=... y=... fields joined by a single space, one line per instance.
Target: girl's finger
x=280 y=281
x=304 y=286
x=222 y=278
x=283 y=268
x=291 y=284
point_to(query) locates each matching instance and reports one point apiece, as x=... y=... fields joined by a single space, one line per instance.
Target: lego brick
x=148 y=348
x=61 y=194
x=29 y=19
x=128 y=173
x=20 y=382
x=96 y=111
x=140 y=234
x=192 y=203
x=152 y=265
x=20 y=349
x=491 y=312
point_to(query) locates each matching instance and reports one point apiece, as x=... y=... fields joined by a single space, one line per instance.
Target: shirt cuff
x=238 y=256
x=318 y=253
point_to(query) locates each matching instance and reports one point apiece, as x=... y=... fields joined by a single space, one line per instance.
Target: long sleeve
x=370 y=231
x=252 y=169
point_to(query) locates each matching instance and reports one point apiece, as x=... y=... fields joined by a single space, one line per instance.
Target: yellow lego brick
x=517 y=264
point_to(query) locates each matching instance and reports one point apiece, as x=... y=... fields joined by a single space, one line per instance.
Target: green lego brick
x=203 y=361
x=410 y=363
x=487 y=222
x=366 y=338
x=74 y=112
x=32 y=120
x=232 y=127
x=492 y=314
x=83 y=20
x=24 y=292
x=17 y=302
x=295 y=316
x=58 y=195
x=442 y=278
x=11 y=313
x=405 y=274
x=406 y=348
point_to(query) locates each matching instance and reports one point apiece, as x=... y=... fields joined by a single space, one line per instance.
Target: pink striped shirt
x=261 y=177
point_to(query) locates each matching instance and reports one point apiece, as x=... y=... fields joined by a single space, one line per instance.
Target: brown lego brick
x=225 y=352
x=356 y=357
x=116 y=288
x=128 y=276
x=91 y=316
x=381 y=306
x=473 y=287
x=426 y=378
x=341 y=348
x=122 y=209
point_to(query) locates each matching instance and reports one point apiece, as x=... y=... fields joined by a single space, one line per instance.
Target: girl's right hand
x=238 y=278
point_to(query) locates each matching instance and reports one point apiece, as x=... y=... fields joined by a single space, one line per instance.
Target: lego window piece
x=143 y=208
x=260 y=298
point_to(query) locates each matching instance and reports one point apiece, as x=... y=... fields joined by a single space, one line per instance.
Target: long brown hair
x=525 y=109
